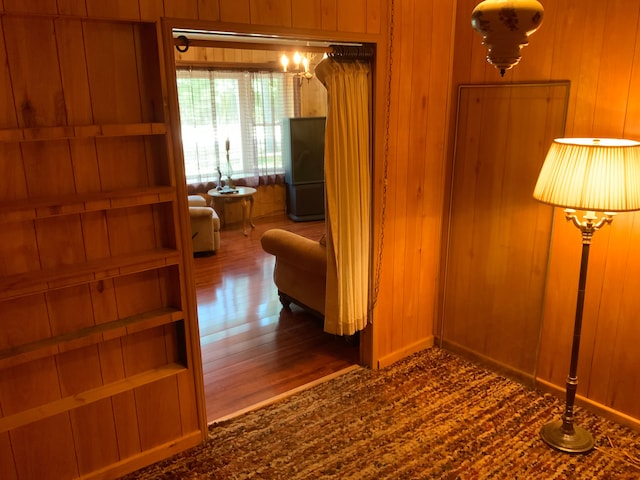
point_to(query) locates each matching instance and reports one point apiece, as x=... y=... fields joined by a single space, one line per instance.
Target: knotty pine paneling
x=73 y=72
x=404 y=314
x=306 y=14
x=72 y=7
x=498 y=241
x=208 y=10
x=328 y=14
x=235 y=11
x=45 y=7
x=357 y=16
x=122 y=9
x=271 y=13
x=33 y=57
x=180 y=8
x=8 y=113
x=151 y=10
x=594 y=45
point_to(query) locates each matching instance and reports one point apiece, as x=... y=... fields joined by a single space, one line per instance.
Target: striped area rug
x=430 y=416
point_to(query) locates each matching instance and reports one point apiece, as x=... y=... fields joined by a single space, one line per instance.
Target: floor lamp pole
x=563 y=434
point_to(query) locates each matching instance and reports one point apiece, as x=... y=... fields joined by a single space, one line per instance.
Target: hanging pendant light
x=505 y=26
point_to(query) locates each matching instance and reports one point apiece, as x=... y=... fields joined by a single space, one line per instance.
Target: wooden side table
x=244 y=195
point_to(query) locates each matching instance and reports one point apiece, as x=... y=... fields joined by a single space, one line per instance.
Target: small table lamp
x=592 y=175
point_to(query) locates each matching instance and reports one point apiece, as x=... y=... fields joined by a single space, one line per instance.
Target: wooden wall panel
x=20 y=312
x=47 y=7
x=123 y=9
x=84 y=163
x=88 y=423
x=111 y=65
x=72 y=7
x=41 y=450
x=46 y=161
x=154 y=401
x=375 y=15
x=275 y=13
x=384 y=190
x=6 y=458
x=419 y=102
x=351 y=17
x=329 y=14
x=33 y=56
x=8 y=112
x=499 y=235
x=74 y=72
x=151 y=10
x=208 y=10
x=114 y=155
x=578 y=42
x=18 y=249
x=148 y=71
x=306 y=14
x=12 y=175
x=235 y=11
x=616 y=63
x=181 y=8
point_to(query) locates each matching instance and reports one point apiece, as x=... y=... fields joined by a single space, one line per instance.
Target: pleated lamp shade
x=593 y=174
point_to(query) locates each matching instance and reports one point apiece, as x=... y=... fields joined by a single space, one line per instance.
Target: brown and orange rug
x=430 y=416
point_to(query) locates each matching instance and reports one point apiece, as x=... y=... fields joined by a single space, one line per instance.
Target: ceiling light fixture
x=299 y=65
x=505 y=26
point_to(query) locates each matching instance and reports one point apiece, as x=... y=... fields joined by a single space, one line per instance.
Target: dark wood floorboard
x=253 y=349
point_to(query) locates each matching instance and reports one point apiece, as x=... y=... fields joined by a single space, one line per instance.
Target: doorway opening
x=253 y=350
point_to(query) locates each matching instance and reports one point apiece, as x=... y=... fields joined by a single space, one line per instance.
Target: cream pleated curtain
x=347 y=165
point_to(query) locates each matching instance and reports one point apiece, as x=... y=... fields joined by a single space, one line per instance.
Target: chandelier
x=299 y=65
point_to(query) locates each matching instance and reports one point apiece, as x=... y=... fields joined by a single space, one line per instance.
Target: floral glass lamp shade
x=600 y=177
x=505 y=26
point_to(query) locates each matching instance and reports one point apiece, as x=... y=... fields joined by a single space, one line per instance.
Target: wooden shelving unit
x=12 y=286
x=96 y=342
x=13 y=356
x=37 y=208
x=80 y=131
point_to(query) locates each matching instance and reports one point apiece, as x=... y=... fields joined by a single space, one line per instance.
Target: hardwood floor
x=253 y=349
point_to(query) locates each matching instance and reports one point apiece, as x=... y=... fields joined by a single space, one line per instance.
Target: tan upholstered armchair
x=300 y=269
x=205 y=226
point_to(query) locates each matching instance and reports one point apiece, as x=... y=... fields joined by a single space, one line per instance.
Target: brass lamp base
x=580 y=441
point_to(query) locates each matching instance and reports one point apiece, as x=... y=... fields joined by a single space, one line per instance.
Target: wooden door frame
x=367 y=347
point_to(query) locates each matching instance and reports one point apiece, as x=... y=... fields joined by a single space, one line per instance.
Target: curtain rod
x=351 y=53
x=336 y=51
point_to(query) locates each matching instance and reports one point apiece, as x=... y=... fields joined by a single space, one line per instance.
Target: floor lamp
x=590 y=175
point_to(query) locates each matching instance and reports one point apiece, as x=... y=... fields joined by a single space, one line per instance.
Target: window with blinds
x=231 y=123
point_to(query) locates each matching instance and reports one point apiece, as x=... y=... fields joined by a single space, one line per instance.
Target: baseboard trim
x=146 y=458
x=591 y=405
x=543 y=385
x=405 y=352
x=518 y=375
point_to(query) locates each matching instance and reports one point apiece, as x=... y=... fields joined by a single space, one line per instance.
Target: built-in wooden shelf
x=41 y=281
x=87 y=397
x=80 y=131
x=37 y=208
x=92 y=335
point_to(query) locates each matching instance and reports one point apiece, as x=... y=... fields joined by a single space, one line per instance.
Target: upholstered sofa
x=205 y=226
x=300 y=269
